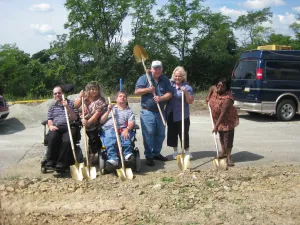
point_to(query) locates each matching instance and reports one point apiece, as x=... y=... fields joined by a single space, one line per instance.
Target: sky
x=33 y=24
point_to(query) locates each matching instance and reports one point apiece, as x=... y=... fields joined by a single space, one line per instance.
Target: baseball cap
x=156 y=64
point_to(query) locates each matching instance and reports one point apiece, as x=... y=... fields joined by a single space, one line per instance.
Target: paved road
x=259 y=141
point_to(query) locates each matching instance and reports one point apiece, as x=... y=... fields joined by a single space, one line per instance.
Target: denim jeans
x=153 y=131
x=109 y=140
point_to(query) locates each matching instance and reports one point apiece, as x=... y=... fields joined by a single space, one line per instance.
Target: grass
x=168 y=179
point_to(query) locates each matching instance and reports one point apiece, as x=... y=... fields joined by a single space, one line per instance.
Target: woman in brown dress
x=224 y=115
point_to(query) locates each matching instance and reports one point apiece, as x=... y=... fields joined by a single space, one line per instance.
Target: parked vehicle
x=4 y=110
x=267 y=81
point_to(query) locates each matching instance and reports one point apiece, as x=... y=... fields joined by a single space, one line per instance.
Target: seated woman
x=59 y=145
x=94 y=106
x=125 y=120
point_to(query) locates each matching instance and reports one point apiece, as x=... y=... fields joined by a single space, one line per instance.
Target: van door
x=244 y=85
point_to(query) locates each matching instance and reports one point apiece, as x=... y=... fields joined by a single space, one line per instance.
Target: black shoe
x=160 y=158
x=150 y=162
x=110 y=168
x=60 y=166
x=50 y=164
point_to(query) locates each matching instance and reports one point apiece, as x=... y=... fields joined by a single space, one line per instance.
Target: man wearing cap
x=153 y=129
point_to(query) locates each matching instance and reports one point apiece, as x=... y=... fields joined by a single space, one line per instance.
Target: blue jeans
x=153 y=131
x=109 y=140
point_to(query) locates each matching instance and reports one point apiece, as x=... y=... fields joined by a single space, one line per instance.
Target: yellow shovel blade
x=93 y=173
x=220 y=164
x=86 y=173
x=76 y=173
x=183 y=161
x=129 y=174
x=139 y=53
x=125 y=174
x=121 y=174
x=89 y=173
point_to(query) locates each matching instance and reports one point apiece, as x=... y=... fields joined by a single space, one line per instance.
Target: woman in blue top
x=178 y=82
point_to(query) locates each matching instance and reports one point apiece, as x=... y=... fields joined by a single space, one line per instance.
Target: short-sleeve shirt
x=56 y=113
x=231 y=119
x=90 y=108
x=162 y=87
x=174 y=104
x=122 y=118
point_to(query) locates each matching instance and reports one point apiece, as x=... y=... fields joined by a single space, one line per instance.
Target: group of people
x=161 y=100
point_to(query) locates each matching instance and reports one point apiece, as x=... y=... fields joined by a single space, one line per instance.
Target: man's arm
x=104 y=116
x=143 y=91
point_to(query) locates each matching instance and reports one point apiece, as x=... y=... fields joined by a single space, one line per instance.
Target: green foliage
x=182 y=32
x=251 y=25
x=168 y=179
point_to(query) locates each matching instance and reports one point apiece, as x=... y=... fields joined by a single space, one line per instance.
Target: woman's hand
x=183 y=88
x=84 y=122
x=109 y=108
x=81 y=94
x=215 y=130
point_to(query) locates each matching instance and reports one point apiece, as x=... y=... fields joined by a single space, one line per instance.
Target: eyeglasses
x=57 y=93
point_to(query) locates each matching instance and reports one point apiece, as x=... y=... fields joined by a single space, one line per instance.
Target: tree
x=14 y=72
x=214 y=52
x=179 y=21
x=97 y=27
x=255 y=33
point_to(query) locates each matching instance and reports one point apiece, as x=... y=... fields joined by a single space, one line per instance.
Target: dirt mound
x=238 y=196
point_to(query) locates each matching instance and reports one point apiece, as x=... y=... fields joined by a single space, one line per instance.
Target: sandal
x=230 y=164
x=222 y=156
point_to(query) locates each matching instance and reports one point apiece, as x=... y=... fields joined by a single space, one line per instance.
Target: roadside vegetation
x=180 y=33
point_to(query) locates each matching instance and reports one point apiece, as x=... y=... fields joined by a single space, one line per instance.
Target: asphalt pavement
x=259 y=141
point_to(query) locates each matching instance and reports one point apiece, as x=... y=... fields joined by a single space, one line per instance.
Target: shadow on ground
x=245 y=156
x=11 y=126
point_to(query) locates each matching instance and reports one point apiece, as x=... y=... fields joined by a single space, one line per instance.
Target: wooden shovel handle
x=84 y=134
x=70 y=132
x=117 y=135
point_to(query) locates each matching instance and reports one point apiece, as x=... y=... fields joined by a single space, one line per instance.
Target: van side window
x=245 y=69
x=283 y=70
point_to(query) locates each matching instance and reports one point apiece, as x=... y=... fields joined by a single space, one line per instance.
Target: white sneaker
x=175 y=154
x=128 y=156
x=189 y=154
x=113 y=162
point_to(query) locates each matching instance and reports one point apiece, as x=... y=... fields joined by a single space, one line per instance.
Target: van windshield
x=245 y=70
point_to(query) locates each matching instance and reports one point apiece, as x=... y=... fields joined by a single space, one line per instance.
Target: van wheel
x=286 y=110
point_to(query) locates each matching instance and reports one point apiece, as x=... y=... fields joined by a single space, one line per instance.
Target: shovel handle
x=150 y=82
x=182 y=122
x=70 y=132
x=84 y=134
x=214 y=134
x=117 y=135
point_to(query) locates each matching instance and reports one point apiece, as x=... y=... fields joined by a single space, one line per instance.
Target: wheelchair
x=135 y=164
x=78 y=151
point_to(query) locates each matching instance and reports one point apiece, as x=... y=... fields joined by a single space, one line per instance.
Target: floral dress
x=231 y=119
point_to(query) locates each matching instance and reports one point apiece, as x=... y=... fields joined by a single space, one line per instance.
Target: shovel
x=140 y=55
x=88 y=172
x=75 y=170
x=217 y=162
x=123 y=173
x=183 y=161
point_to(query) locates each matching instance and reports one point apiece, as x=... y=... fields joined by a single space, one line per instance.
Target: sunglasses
x=57 y=93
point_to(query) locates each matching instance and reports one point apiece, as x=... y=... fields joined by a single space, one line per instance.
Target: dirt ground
x=240 y=195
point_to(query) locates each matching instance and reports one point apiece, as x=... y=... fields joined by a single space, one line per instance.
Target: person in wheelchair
x=125 y=120
x=59 y=153
x=94 y=106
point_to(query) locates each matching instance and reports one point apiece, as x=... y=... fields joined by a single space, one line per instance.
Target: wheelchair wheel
x=101 y=164
x=137 y=160
x=43 y=169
